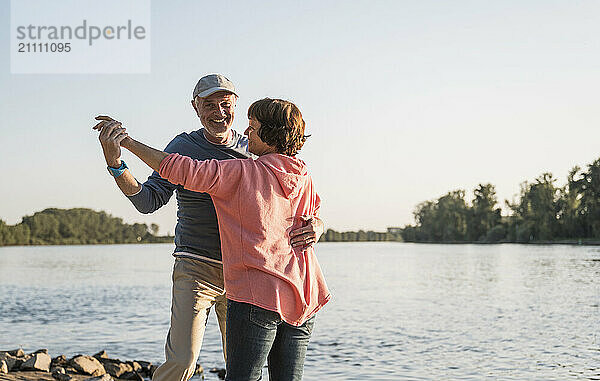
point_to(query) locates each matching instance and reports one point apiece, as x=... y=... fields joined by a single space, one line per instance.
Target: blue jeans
x=255 y=335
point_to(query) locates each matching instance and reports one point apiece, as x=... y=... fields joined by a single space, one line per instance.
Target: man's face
x=216 y=112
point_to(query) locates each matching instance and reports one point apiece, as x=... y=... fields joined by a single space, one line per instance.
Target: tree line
x=542 y=212
x=81 y=226
x=359 y=236
x=75 y=227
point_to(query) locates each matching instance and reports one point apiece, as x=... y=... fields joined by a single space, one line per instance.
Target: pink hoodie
x=258 y=202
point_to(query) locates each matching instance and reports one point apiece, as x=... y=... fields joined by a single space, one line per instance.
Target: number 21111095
x=40 y=47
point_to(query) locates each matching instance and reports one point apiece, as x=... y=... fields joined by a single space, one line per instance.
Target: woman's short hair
x=281 y=124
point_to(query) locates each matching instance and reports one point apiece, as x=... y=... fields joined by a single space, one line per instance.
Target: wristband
x=116 y=172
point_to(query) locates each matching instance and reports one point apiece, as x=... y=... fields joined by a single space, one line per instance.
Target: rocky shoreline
x=16 y=365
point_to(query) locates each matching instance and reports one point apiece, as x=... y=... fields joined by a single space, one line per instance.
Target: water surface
x=399 y=311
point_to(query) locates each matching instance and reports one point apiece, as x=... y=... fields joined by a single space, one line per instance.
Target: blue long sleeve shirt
x=197 y=231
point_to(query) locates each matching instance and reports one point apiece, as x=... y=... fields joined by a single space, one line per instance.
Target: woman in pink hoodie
x=273 y=289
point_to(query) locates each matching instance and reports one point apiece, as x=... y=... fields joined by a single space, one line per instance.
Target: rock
x=109 y=361
x=144 y=364
x=199 y=369
x=135 y=365
x=9 y=359
x=61 y=374
x=20 y=361
x=17 y=352
x=59 y=361
x=87 y=365
x=117 y=369
x=40 y=351
x=220 y=372
x=39 y=361
x=132 y=376
x=101 y=355
x=104 y=377
x=152 y=369
x=145 y=368
x=3 y=367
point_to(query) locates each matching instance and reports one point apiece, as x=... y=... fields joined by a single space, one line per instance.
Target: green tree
x=444 y=220
x=13 y=235
x=21 y=235
x=484 y=215
x=425 y=217
x=5 y=233
x=74 y=226
x=409 y=234
x=496 y=234
x=44 y=228
x=571 y=213
x=588 y=188
x=537 y=210
x=452 y=212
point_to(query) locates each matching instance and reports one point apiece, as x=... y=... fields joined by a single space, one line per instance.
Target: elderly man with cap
x=198 y=269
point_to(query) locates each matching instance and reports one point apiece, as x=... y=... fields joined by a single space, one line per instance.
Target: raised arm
x=148 y=197
x=111 y=135
x=149 y=155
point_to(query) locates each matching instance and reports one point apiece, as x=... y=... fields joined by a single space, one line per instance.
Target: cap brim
x=213 y=90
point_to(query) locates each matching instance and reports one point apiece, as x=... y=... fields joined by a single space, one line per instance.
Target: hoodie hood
x=291 y=172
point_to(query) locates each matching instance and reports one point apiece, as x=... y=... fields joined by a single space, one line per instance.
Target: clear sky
x=405 y=100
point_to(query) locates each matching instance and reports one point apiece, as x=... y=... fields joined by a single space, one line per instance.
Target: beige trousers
x=197 y=286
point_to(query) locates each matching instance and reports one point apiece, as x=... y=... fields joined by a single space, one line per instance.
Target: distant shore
x=166 y=240
x=170 y=240
x=558 y=242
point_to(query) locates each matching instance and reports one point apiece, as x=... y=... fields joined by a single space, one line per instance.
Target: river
x=399 y=311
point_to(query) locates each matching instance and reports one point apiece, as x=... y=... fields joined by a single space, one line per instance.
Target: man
x=198 y=270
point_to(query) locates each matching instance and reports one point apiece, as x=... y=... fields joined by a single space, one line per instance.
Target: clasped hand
x=307 y=235
x=112 y=136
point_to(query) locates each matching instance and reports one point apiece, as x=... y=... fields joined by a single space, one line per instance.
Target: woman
x=273 y=289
